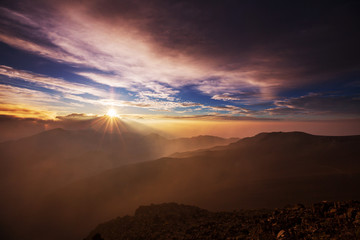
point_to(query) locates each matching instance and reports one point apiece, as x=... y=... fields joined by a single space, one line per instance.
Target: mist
x=35 y=168
x=61 y=194
x=13 y=128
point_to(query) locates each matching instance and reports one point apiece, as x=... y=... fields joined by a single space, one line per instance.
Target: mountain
x=324 y=220
x=67 y=155
x=33 y=167
x=267 y=170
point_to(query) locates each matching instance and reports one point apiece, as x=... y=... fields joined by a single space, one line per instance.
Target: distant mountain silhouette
x=33 y=167
x=267 y=170
x=72 y=155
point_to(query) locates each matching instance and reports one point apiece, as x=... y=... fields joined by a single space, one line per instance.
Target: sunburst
x=111 y=113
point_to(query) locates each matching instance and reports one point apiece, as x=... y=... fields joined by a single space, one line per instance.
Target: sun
x=111 y=113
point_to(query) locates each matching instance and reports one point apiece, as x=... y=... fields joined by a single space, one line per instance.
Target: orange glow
x=25 y=111
x=189 y=128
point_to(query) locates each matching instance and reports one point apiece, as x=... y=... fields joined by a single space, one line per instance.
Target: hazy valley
x=35 y=167
x=99 y=177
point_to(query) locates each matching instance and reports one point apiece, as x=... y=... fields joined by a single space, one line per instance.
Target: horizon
x=173 y=62
x=14 y=128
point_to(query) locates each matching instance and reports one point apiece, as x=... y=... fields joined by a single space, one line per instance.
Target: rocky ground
x=324 y=220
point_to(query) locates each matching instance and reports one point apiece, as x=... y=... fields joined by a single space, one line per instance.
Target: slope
x=267 y=170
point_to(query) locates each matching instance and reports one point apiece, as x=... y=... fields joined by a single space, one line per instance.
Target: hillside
x=62 y=156
x=31 y=168
x=267 y=170
x=324 y=220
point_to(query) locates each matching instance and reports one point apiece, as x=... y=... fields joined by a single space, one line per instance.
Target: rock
x=333 y=210
x=97 y=237
x=281 y=234
x=325 y=220
x=351 y=213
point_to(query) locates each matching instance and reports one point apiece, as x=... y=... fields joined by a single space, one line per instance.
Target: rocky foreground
x=324 y=220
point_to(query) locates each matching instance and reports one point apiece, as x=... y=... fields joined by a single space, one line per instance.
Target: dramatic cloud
x=56 y=84
x=323 y=104
x=247 y=97
x=25 y=111
x=11 y=94
x=150 y=53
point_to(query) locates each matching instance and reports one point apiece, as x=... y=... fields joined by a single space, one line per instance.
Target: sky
x=242 y=61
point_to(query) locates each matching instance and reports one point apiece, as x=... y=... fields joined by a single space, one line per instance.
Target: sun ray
x=111 y=113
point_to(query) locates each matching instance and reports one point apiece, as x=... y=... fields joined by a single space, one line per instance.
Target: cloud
x=246 y=97
x=35 y=99
x=156 y=48
x=244 y=42
x=56 y=84
x=77 y=38
x=25 y=111
x=12 y=94
x=190 y=104
x=132 y=53
x=286 y=111
x=216 y=117
x=143 y=102
x=229 y=108
x=319 y=104
x=109 y=79
x=166 y=94
x=77 y=116
x=155 y=104
x=226 y=97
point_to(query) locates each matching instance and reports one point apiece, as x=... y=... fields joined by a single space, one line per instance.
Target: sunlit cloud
x=128 y=56
x=229 y=108
x=226 y=97
x=249 y=96
x=23 y=95
x=11 y=95
x=156 y=52
x=25 y=111
x=146 y=103
x=206 y=117
x=56 y=84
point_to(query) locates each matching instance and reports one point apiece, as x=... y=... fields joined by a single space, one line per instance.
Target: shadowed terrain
x=324 y=220
x=64 y=155
x=267 y=170
x=31 y=168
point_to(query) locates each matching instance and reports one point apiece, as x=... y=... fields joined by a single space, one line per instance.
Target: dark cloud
x=319 y=104
x=282 y=41
x=76 y=116
x=216 y=117
x=190 y=104
x=17 y=25
x=269 y=47
x=286 y=41
x=285 y=111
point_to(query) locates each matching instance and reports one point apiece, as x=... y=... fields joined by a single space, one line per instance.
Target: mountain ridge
x=255 y=172
x=268 y=170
